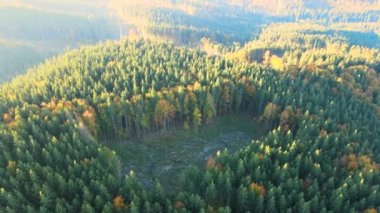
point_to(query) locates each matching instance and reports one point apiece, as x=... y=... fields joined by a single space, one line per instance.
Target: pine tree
x=211 y=193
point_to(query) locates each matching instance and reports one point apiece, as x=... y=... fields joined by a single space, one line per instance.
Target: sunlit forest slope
x=201 y=106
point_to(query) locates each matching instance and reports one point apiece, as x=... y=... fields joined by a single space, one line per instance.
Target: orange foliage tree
x=259 y=189
x=89 y=118
x=118 y=202
x=7 y=118
x=164 y=112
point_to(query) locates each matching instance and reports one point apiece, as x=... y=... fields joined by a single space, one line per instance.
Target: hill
x=322 y=154
x=31 y=31
x=207 y=106
x=284 y=8
x=228 y=22
x=38 y=29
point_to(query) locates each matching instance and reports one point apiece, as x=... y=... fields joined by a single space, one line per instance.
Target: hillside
x=229 y=22
x=35 y=30
x=31 y=31
x=282 y=7
x=322 y=154
x=195 y=106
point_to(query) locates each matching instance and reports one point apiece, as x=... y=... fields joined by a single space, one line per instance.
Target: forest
x=90 y=130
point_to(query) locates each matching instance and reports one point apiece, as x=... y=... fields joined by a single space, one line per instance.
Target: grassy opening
x=164 y=155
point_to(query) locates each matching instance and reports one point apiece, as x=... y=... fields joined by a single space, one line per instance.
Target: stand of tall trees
x=322 y=154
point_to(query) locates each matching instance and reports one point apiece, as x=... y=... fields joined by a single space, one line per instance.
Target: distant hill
x=37 y=29
x=289 y=7
x=228 y=21
x=31 y=31
x=268 y=7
